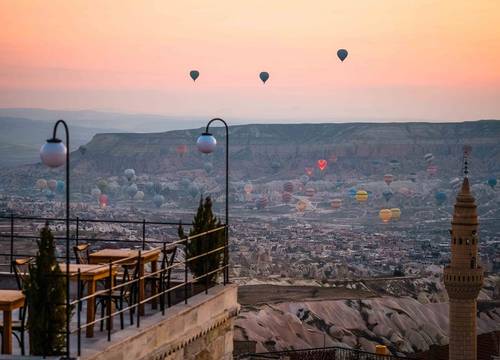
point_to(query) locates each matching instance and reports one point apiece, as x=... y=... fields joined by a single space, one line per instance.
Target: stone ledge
x=159 y=336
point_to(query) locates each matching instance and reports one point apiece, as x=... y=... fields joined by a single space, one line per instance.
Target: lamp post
x=54 y=153
x=206 y=144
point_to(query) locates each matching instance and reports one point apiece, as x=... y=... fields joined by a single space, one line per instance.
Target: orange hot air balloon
x=301 y=205
x=396 y=213
x=181 y=150
x=310 y=192
x=388 y=178
x=322 y=164
x=309 y=171
x=248 y=188
x=385 y=215
x=336 y=203
x=361 y=196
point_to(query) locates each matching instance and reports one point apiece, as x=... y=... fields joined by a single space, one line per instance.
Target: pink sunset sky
x=408 y=60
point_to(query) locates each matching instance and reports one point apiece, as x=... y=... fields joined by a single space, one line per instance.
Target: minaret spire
x=463 y=277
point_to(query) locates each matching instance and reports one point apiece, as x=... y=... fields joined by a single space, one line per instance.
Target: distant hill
x=284 y=150
x=281 y=151
x=20 y=139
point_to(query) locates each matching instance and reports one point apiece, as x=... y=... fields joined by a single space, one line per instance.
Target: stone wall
x=201 y=330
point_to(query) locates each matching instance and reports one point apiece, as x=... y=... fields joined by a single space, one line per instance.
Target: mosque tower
x=463 y=277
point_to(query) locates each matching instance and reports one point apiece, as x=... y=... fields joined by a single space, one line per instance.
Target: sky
x=434 y=60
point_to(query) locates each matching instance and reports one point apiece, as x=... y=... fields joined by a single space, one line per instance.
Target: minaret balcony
x=463 y=283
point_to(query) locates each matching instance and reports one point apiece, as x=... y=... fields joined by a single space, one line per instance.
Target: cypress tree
x=45 y=292
x=203 y=221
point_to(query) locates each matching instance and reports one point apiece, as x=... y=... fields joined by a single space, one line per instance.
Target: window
x=460 y=241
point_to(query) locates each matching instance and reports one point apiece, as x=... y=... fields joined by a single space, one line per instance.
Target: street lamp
x=206 y=144
x=54 y=153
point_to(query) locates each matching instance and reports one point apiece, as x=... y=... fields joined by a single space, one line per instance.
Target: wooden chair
x=127 y=293
x=162 y=281
x=82 y=255
x=21 y=272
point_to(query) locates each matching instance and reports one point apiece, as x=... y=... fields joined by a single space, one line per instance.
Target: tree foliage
x=204 y=221
x=45 y=292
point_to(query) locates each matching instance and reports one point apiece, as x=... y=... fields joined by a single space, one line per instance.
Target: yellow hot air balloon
x=385 y=215
x=361 y=196
x=396 y=213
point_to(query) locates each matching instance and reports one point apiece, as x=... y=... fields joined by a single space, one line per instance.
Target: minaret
x=463 y=277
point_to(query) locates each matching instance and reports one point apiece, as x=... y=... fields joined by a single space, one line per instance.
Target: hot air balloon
x=428 y=157
x=492 y=182
x=288 y=187
x=342 y=54
x=336 y=203
x=158 y=200
x=310 y=192
x=261 y=202
x=412 y=177
x=248 y=188
x=264 y=76
x=286 y=197
x=387 y=194
x=52 y=184
x=103 y=201
x=454 y=182
x=129 y=174
x=194 y=74
x=361 y=196
x=132 y=190
x=304 y=179
x=440 y=198
x=139 y=196
x=309 y=171
x=275 y=165
x=60 y=186
x=388 y=178
x=352 y=193
x=41 y=184
x=322 y=164
x=301 y=205
x=95 y=192
x=181 y=150
x=394 y=164
x=404 y=191
x=432 y=170
x=385 y=215
x=396 y=213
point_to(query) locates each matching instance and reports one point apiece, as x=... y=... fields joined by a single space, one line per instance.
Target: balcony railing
x=181 y=288
x=325 y=353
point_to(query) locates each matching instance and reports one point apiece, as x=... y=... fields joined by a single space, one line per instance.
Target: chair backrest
x=131 y=272
x=82 y=253
x=21 y=270
x=168 y=256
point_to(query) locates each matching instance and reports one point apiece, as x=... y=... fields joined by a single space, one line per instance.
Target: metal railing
x=324 y=353
x=183 y=288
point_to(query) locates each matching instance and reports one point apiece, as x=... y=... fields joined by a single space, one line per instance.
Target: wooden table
x=91 y=274
x=9 y=300
x=147 y=256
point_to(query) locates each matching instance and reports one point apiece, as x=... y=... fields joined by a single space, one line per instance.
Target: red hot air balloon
x=181 y=149
x=388 y=179
x=322 y=164
x=103 y=200
x=309 y=171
